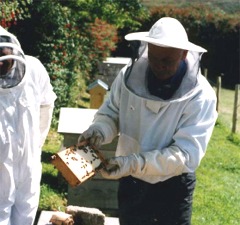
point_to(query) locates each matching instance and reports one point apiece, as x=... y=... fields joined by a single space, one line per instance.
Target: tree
x=71 y=37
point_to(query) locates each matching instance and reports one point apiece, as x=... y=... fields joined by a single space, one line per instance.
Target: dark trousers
x=163 y=203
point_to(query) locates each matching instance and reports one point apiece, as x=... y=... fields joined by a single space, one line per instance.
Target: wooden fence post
x=219 y=84
x=235 y=109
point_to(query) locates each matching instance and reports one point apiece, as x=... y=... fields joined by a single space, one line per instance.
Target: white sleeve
x=47 y=98
x=47 y=94
x=41 y=81
x=46 y=112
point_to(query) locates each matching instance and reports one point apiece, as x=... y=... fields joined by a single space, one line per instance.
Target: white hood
x=14 y=39
x=15 y=74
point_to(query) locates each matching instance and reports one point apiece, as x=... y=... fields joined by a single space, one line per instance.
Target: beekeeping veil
x=169 y=33
x=12 y=60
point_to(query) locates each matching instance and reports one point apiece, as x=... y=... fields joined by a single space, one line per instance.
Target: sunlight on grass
x=217 y=195
x=49 y=168
x=50 y=199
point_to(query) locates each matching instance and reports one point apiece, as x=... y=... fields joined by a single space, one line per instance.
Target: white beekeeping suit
x=26 y=105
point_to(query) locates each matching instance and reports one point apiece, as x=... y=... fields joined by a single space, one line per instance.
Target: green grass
x=53 y=192
x=217 y=194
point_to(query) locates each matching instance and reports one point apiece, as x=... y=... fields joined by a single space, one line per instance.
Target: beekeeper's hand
x=123 y=166
x=91 y=136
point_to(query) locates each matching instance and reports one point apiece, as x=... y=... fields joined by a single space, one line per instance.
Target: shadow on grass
x=85 y=99
x=46 y=157
x=50 y=180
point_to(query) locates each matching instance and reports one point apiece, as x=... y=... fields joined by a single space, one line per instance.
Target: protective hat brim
x=144 y=36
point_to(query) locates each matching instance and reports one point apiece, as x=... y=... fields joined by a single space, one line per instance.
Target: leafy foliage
x=122 y=13
x=71 y=38
x=230 y=6
x=11 y=11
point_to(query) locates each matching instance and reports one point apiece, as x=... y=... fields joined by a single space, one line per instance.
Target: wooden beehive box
x=96 y=192
x=78 y=164
x=97 y=90
x=110 y=67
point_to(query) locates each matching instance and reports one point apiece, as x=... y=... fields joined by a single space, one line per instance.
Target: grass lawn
x=217 y=195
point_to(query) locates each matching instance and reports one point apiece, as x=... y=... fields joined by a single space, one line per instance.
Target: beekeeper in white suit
x=26 y=106
x=164 y=111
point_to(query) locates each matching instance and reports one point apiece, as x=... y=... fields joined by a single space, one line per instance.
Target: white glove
x=91 y=136
x=123 y=166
